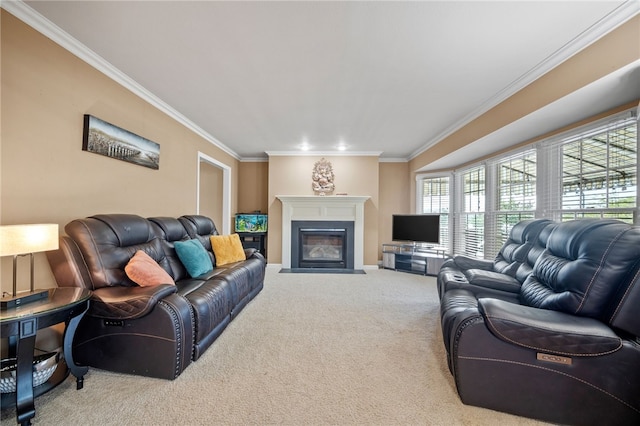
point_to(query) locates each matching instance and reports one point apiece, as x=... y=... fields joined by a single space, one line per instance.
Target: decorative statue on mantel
x=322 y=177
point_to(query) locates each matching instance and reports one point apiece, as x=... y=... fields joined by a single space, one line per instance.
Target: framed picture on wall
x=106 y=139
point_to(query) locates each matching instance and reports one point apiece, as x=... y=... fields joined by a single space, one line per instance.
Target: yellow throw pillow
x=145 y=271
x=227 y=248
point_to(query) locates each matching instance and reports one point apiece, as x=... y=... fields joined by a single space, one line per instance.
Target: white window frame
x=548 y=181
x=420 y=178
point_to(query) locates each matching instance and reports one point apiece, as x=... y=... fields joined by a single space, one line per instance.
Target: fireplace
x=330 y=208
x=322 y=244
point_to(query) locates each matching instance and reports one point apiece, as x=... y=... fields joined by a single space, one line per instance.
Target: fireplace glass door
x=322 y=248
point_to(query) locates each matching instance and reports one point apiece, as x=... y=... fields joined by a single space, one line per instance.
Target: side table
x=256 y=240
x=20 y=325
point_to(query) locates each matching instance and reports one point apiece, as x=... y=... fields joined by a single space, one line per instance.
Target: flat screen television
x=418 y=228
x=251 y=222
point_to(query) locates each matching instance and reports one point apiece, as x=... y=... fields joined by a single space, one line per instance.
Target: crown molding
x=254 y=160
x=323 y=153
x=29 y=16
x=613 y=20
x=393 y=160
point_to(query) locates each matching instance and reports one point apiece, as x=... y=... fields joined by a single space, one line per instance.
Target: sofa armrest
x=126 y=303
x=464 y=263
x=493 y=280
x=548 y=331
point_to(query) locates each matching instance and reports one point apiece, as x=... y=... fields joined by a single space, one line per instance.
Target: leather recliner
x=568 y=350
x=151 y=331
x=503 y=276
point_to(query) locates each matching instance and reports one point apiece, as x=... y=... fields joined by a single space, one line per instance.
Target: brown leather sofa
x=151 y=331
x=566 y=349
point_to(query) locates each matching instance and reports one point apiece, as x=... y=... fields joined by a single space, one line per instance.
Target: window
x=516 y=198
x=435 y=199
x=470 y=237
x=599 y=173
x=587 y=172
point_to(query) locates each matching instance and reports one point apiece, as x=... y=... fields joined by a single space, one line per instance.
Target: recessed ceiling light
x=342 y=147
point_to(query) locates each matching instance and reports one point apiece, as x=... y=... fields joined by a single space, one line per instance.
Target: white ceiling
x=391 y=77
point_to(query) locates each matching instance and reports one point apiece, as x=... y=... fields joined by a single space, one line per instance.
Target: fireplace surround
x=322 y=244
x=347 y=208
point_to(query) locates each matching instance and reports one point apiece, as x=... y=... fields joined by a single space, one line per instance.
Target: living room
x=47 y=89
x=68 y=88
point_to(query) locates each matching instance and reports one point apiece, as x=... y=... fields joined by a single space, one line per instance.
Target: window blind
x=436 y=200
x=469 y=238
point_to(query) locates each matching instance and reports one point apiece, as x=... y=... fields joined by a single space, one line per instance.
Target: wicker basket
x=43 y=368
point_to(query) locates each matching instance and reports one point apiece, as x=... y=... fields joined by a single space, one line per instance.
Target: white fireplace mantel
x=327 y=207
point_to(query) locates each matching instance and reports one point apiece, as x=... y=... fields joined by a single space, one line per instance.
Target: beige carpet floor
x=311 y=349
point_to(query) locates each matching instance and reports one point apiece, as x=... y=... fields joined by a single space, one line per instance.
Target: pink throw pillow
x=145 y=271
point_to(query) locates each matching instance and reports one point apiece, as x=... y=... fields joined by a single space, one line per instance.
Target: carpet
x=310 y=349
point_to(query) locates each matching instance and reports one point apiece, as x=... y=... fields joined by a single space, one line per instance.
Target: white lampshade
x=23 y=239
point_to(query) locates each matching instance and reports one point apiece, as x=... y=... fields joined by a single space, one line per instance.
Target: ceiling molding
x=254 y=160
x=393 y=160
x=622 y=14
x=324 y=153
x=47 y=28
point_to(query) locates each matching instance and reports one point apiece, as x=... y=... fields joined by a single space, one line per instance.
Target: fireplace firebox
x=322 y=244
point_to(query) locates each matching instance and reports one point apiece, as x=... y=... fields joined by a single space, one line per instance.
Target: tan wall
x=45 y=175
x=253 y=187
x=354 y=175
x=394 y=198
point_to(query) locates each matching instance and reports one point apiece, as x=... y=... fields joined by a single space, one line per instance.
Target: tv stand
x=418 y=258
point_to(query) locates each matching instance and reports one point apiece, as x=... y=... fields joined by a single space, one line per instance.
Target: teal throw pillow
x=194 y=257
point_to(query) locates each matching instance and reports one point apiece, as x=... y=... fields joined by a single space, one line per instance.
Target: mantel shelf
x=323 y=198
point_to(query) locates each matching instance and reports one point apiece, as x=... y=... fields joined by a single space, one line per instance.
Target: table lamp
x=24 y=240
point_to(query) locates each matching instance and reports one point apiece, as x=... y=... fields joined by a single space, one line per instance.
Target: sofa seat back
x=515 y=251
x=202 y=228
x=585 y=265
x=108 y=242
x=537 y=244
x=170 y=231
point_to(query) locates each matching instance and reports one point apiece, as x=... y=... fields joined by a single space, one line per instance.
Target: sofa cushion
x=227 y=248
x=145 y=271
x=194 y=257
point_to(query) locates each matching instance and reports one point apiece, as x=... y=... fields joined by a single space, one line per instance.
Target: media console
x=416 y=258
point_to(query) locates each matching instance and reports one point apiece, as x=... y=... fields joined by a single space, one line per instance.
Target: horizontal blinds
x=436 y=199
x=515 y=198
x=470 y=224
x=598 y=172
x=587 y=172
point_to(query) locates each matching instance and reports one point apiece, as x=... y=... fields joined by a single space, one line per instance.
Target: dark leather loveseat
x=504 y=275
x=154 y=331
x=566 y=347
